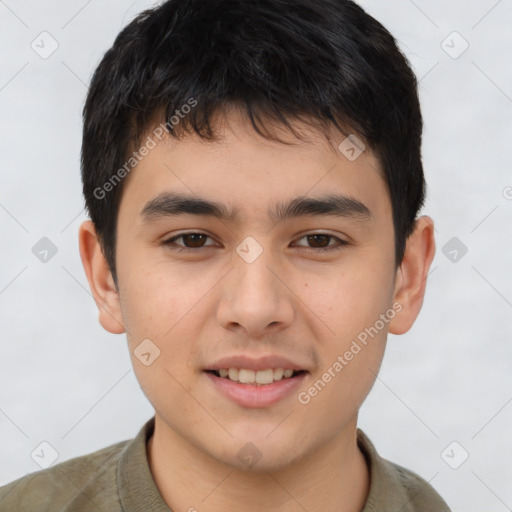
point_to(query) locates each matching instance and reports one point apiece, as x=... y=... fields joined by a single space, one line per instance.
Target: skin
x=292 y=301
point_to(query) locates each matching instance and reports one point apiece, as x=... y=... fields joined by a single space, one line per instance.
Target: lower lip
x=256 y=396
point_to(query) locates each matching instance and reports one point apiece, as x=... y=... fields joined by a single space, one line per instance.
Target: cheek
x=355 y=305
x=145 y=306
x=338 y=392
x=350 y=299
x=154 y=299
x=167 y=308
x=350 y=361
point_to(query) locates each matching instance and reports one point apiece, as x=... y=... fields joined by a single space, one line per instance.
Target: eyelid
x=340 y=243
x=173 y=238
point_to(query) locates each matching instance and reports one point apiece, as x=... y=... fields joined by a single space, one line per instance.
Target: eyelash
x=339 y=245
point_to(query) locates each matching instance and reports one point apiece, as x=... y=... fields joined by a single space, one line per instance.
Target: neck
x=333 y=478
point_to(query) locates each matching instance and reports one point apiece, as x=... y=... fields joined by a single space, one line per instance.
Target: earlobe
x=411 y=279
x=100 y=279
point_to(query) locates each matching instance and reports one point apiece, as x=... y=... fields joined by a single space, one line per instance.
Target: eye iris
x=313 y=239
x=197 y=239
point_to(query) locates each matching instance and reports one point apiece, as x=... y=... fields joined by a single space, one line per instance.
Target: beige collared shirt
x=118 y=479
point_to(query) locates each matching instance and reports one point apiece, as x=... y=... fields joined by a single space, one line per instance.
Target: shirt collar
x=139 y=493
x=137 y=489
x=387 y=491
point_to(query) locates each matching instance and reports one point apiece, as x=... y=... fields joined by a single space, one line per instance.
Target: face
x=253 y=284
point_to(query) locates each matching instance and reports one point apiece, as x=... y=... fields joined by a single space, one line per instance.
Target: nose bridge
x=252 y=296
x=252 y=276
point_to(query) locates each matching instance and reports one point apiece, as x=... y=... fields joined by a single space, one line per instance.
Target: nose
x=255 y=297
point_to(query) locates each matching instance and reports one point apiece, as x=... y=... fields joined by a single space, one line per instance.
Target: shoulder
x=393 y=487
x=82 y=483
x=422 y=497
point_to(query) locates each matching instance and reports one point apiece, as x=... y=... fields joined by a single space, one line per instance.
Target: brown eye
x=194 y=239
x=188 y=241
x=319 y=241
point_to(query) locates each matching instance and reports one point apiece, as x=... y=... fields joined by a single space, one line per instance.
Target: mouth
x=256 y=389
x=258 y=378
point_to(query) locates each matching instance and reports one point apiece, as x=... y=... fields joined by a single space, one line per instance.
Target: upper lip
x=255 y=363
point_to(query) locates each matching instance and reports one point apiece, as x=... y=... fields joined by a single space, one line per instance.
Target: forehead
x=249 y=173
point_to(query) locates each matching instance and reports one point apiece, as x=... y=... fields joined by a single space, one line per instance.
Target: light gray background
x=66 y=381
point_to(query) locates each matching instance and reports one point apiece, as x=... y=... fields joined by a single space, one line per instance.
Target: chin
x=260 y=453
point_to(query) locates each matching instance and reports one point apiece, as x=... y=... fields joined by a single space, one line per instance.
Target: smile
x=248 y=393
x=261 y=377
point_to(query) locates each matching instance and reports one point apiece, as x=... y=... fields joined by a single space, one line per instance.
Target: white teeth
x=264 y=376
x=278 y=373
x=246 y=376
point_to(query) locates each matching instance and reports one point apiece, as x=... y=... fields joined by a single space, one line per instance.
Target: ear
x=100 y=279
x=411 y=278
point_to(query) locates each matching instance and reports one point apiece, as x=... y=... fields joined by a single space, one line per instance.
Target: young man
x=253 y=176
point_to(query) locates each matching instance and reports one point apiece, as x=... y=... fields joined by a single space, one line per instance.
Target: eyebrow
x=170 y=204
